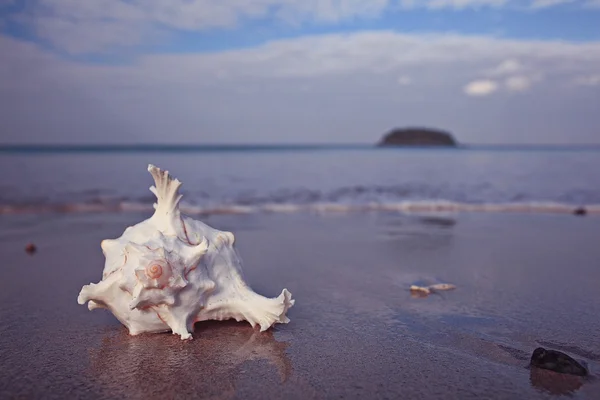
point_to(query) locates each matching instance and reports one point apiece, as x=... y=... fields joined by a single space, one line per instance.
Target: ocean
x=348 y=231
x=257 y=179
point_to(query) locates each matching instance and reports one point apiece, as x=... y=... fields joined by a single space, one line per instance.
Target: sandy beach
x=355 y=331
x=352 y=153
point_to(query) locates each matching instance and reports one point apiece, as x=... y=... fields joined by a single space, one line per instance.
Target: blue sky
x=217 y=71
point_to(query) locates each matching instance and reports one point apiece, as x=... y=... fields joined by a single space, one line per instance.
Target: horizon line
x=191 y=147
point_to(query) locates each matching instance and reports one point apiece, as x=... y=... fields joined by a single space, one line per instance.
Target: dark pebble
x=30 y=248
x=557 y=361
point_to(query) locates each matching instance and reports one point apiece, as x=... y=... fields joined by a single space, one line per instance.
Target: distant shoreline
x=208 y=148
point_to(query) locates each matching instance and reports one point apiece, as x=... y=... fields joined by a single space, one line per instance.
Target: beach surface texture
x=522 y=281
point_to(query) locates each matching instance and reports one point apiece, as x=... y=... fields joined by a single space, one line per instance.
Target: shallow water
x=356 y=331
x=318 y=180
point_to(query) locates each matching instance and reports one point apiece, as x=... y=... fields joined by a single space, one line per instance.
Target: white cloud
x=538 y=4
x=404 y=80
x=462 y=4
x=259 y=94
x=479 y=4
x=482 y=87
x=588 y=80
x=517 y=83
x=518 y=77
x=509 y=66
x=90 y=36
x=89 y=26
x=367 y=52
x=329 y=11
x=376 y=52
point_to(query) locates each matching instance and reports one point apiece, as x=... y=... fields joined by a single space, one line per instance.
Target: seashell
x=441 y=286
x=170 y=271
x=424 y=291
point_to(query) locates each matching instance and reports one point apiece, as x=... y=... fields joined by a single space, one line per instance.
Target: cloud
x=517 y=83
x=509 y=66
x=538 y=4
x=90 y=36
x=482 y=87
x=588 y=80
x=404 y=80
x=378 y=52
x=335 y=87
x=82 y=27
x=462 y=4
x=518 y=77
x=328 y=11
x=515 y=5
x=94 y=26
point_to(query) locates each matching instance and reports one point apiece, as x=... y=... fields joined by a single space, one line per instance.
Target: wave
x=412 y=206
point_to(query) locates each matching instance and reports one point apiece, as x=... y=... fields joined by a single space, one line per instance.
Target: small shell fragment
x=442 y=286
x=424 y=291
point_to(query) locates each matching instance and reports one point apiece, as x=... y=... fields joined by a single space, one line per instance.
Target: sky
x=298 y=71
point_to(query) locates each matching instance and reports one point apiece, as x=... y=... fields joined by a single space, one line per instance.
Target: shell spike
x=201 y=248
x=108 y=244
x=166 y=190
x=194 y=253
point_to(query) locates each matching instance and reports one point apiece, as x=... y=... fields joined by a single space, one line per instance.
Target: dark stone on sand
x=417 y=137
x=30 y=248
x=557 y=361
x=580 y=211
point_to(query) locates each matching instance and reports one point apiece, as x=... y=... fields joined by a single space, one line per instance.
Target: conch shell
x=170 y=271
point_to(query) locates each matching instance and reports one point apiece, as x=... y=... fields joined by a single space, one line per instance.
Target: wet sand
x=355 y=331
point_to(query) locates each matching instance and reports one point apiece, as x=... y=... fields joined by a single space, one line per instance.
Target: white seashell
x=441 y=286
x=170 y=271
x=426 y=290
x=415 y=288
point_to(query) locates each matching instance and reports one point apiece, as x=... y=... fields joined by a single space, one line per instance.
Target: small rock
x=580 y=211
x=30 y=248
x=557 y=361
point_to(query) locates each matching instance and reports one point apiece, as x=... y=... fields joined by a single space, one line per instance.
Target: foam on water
x=413 y=206
x=332 y=181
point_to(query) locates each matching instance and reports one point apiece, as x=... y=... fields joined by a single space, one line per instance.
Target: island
x=417 y=137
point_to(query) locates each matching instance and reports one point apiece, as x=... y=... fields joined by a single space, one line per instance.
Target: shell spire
x=166 y=190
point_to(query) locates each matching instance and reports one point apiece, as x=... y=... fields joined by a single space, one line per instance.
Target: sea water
x=254 y=179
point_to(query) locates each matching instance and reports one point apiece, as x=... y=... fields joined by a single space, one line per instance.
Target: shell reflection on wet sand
x=157 y=365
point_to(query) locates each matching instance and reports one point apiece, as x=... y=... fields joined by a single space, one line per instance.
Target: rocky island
x=417 y=137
